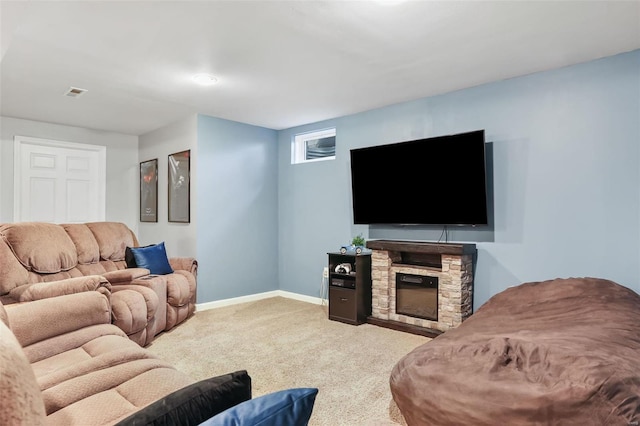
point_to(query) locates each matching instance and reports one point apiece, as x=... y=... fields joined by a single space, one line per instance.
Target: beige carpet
x=286 y=343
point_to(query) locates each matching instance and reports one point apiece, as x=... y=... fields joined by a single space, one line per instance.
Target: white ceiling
x=281 y=63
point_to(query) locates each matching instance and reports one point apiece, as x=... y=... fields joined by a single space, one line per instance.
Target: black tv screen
x=433 y=181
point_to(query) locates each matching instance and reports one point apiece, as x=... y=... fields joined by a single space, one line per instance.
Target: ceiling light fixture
x=204 y=79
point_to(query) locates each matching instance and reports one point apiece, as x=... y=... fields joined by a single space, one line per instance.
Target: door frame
x=19 y=141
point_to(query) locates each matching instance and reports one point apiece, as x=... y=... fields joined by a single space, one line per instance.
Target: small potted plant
x=357 y=245
x=358 y=242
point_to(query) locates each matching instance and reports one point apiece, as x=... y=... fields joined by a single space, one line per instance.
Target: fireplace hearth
x=420 y=287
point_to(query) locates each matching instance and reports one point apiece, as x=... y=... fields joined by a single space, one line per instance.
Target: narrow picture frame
x=149 y=190
x=179 y=183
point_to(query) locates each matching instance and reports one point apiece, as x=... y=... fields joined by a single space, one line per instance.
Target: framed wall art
x=149 y=191
x=179 y=184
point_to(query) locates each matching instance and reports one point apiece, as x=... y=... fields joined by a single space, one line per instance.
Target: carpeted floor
x=285 y=343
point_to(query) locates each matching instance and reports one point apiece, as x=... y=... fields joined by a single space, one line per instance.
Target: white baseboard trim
x=259 y=296
x=300 y=297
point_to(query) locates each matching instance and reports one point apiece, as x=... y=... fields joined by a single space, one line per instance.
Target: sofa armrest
x=148 y=296
x=125 y=275
x=184 y=264
x=45 y=290
x=35 y=321
x=22 y=403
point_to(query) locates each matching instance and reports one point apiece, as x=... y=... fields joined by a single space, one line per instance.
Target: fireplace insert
x=417 y=296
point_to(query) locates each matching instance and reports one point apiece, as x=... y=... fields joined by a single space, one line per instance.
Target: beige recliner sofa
x=62 y=362
x=41 y=260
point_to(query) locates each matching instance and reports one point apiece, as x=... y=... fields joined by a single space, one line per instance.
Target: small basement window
x=314 y=146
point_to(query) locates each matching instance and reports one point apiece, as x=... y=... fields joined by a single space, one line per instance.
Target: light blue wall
x=237 y=240
x=314 y=214
x=565 y=172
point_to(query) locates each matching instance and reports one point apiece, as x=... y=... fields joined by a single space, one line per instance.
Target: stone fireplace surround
x=451 y=263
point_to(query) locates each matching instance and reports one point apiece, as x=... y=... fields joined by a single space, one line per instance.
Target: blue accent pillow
x=291 y=407
x=153 y=257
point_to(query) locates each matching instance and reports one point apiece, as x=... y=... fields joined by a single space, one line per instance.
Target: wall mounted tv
x=434 y=181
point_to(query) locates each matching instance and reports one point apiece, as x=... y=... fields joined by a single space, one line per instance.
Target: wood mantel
x=422 y=247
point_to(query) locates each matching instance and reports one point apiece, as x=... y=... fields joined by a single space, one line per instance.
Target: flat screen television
x=434 y=181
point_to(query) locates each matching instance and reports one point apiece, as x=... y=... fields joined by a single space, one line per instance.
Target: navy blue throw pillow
x=196 y=403
x=291 y=407
x=153 y=257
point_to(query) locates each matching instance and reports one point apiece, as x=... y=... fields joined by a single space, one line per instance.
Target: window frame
x=299 y=145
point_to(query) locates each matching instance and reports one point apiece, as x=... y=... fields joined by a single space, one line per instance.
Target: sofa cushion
x=285 y=407
x=154 y=258
x=195 y=403
x=114 y=404
x=12 y=272
x=92 y=384
x=113 y=238
x=86 y=244
x=41 y=247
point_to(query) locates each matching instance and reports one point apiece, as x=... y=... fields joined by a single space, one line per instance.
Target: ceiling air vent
x=74 y=92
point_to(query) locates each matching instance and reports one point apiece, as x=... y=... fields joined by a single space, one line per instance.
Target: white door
x=58 y=182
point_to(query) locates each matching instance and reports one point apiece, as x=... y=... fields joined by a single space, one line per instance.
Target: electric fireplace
x=417 y=296
x=421 y=287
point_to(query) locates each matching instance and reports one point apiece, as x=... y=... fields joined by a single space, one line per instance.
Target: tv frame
x=480 y=195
